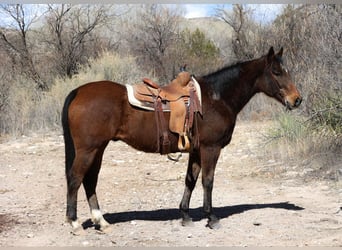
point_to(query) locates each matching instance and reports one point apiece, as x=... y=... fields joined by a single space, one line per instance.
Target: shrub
x=26 y=109
x=327 y=113
x=289 y=127
x=17 y=112
x=310 y=147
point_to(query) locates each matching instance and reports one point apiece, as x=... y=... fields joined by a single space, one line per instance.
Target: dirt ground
x=261 y=201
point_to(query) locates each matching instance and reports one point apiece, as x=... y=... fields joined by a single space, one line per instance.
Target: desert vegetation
x=47 y=50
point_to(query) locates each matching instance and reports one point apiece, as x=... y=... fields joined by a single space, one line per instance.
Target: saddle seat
x=177 y=88
x=181 y=97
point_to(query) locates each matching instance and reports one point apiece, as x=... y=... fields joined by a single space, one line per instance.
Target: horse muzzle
x=292 y=103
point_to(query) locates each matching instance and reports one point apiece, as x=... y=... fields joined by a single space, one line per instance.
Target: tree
x=239 y=21
x=248 y=37
x=71 y=33
x=14 y=39
x=152 y=36
x=312 y=35
x=197 y=51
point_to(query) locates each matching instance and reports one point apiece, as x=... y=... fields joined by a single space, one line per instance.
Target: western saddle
x=181 y=97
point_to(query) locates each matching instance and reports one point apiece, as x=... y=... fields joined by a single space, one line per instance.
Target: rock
x=30 y=235
x=85 y=243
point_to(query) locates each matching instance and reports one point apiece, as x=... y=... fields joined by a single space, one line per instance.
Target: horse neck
x=235 y=85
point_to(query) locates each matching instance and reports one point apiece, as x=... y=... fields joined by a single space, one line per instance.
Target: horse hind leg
x=74 y=180
x=75 y=177
x=89 y=184
x=73 y=184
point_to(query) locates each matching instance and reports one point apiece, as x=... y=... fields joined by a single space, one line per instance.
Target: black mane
x=224 y=77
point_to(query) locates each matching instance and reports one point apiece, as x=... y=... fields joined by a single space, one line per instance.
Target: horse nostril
x=298 y=101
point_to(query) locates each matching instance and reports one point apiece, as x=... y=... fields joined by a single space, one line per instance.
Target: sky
x=262 y=12
x=199 y=10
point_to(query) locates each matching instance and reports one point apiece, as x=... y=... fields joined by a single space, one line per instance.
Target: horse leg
x=209 y=157
x=193 y=171
x=89 y=184
x=75 y=175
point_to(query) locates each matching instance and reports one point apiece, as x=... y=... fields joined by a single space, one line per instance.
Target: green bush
x=289 y=127
x=327 y=113
x=325 y=120
x=310 y=146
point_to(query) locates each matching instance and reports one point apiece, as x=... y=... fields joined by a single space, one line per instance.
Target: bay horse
x=99 y=112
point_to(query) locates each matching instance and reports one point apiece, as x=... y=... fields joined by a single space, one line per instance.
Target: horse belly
x=140 y=130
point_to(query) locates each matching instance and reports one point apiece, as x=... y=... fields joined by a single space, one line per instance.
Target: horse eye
x=276 y=72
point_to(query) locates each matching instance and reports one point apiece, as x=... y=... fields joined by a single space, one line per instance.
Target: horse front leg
x=193 y=171
x=209 y=157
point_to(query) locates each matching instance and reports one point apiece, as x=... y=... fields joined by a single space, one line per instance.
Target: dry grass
x=27 y=109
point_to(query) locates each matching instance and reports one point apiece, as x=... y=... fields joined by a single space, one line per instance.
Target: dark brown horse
x=99 y=112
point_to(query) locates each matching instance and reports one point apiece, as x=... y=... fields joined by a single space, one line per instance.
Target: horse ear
x=270 y=55
x=280 y=53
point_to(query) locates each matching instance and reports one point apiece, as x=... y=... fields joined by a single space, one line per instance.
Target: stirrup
x=183 y=143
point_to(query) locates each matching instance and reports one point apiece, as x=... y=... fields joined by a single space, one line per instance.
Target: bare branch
x=17 y=45
x=71 y=30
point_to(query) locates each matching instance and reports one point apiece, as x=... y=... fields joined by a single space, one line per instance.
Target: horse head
x=276 y=81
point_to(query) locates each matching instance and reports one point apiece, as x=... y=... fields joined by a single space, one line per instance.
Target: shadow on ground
x=196 y=213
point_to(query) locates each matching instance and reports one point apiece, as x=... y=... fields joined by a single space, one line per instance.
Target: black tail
x=69 y=143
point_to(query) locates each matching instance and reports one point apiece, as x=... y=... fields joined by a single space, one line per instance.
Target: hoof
x=100 y=223
x=187 y=222
x=78 y=231
x=106 y=229
x=77 y=228
x=214 y=224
